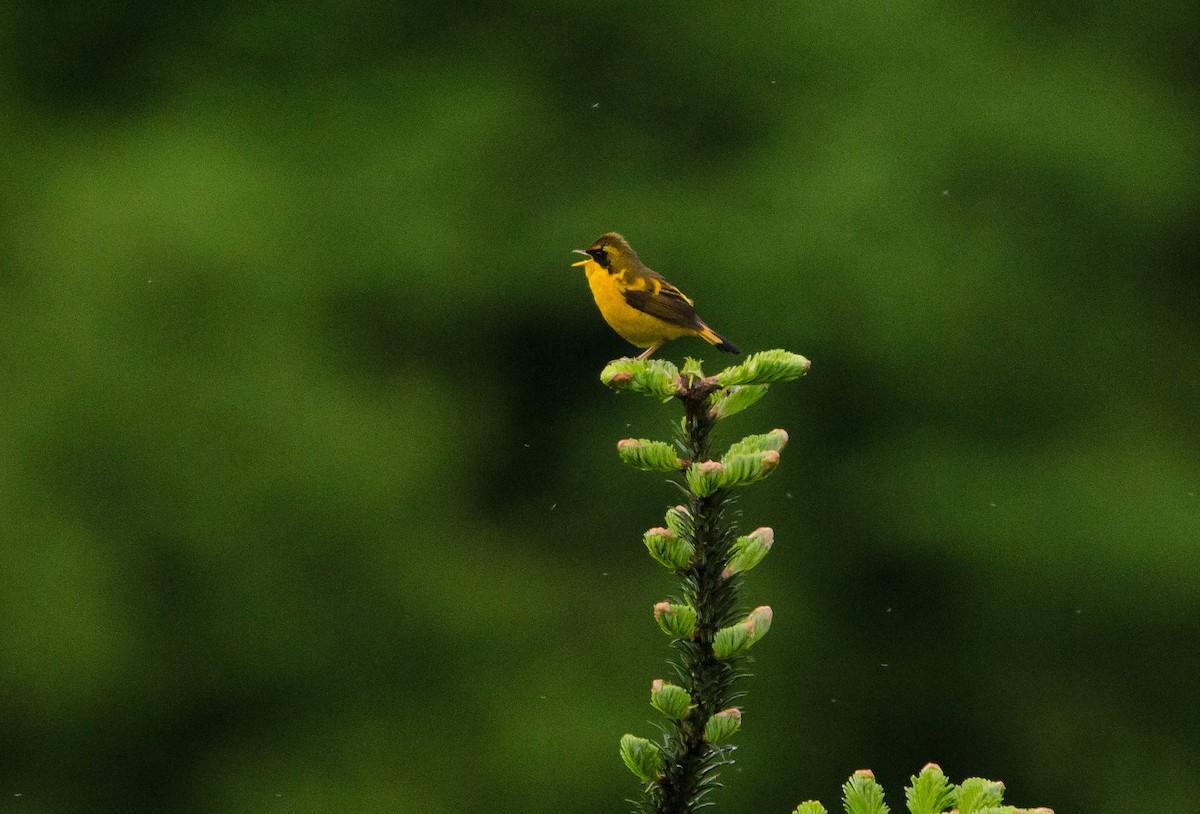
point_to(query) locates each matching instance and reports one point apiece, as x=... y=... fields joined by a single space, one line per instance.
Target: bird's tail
x=721 y=343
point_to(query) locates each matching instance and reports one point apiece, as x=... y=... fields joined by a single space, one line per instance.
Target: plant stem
x=689 y=771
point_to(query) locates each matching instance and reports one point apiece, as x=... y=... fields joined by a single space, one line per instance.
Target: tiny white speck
x=542 y=697
x=552 y=505
x=833 y=700
x=883 y=664
x=595 y=105
x=993 y=505
x=889 y=610
x=525 y=445
x=789 y=495
x=945 y=193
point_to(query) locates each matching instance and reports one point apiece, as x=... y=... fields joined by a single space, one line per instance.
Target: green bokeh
x=309 y=490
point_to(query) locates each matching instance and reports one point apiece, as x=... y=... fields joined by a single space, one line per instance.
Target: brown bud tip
x=766 y=534
x=620 y=379
x=931 y=767
x=726 y=574
x=780 y=431
x=659 y=531
x=763 y=612
x=710 y=466
x=770 y=459
x=866 y=774
x=661 y=608
x=629 y=443
x=656 y=685
x=732 y=712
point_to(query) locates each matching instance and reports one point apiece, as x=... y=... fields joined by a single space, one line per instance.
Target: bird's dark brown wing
x=663 y=300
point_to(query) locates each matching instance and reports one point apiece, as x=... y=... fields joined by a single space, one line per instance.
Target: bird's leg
x=648 y=351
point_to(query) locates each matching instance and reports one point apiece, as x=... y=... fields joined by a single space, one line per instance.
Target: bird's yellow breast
x=634 y=326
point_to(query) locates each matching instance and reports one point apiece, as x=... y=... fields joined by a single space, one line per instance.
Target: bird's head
x=611 y=252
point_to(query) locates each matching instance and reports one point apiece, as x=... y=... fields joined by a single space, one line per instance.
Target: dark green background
x=308 y=485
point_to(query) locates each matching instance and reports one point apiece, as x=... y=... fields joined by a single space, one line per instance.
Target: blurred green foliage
x=307 y=482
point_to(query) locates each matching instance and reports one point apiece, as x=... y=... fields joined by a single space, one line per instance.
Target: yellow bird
x=637 y=302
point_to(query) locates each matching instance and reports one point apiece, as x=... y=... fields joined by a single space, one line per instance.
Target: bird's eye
x=600 y=256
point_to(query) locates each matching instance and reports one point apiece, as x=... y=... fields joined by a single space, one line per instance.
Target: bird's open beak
x=585 y=254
